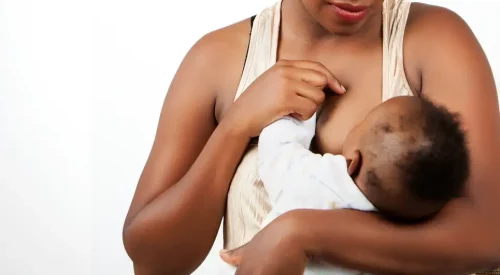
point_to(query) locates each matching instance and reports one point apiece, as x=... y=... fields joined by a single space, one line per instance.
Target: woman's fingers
x=310 y=92
x=303 y=107
x=309 y=76
x=331 y=81
x=289 y=87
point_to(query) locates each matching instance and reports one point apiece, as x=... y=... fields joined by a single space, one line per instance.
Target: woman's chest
x=340 y=113
x=361 y=74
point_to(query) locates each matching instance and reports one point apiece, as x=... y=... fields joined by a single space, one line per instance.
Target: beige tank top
x=247 y=202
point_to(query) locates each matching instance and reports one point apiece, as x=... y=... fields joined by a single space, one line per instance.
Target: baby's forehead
x=396 y=115
x=394 y=129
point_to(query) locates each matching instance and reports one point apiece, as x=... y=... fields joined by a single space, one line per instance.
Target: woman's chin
x=336 y=26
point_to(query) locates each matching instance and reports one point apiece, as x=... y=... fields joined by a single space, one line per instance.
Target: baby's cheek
x=369 y=193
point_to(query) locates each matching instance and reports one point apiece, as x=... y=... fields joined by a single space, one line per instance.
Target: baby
x=405 y=160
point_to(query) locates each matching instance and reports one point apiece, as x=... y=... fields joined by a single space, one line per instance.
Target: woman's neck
x=297 y=23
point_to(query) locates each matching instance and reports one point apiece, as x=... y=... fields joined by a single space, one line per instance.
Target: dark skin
x=200 y=124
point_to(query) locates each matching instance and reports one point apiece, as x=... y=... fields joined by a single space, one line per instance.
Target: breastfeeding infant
x=405 y=160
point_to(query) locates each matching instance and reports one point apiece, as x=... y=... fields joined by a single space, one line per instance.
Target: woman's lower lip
x=350 y=16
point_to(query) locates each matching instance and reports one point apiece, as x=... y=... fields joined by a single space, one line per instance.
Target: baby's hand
x=274 y=250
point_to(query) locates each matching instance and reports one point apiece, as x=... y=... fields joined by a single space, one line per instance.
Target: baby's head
x=409 y=157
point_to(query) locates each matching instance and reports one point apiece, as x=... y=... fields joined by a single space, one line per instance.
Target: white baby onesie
x=296 y=178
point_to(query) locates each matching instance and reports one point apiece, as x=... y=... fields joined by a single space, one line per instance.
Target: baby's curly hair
x=437 y=169
x=424 y=154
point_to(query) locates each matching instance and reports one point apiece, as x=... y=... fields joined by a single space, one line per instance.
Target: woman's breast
x=340 y=114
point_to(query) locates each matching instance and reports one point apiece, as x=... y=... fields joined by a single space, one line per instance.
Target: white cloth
x=296 y=178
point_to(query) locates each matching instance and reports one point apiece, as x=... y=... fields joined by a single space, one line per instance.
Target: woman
x=203 y=140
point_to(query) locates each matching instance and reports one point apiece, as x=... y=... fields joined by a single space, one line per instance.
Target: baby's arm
x=296 y=178
x=283 y=145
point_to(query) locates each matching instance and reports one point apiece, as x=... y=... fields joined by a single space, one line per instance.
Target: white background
x=81 y=86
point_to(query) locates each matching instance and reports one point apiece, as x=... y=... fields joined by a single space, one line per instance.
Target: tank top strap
x=263 y=46
x=395 y=16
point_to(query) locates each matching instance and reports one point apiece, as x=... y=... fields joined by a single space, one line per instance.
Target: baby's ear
x=354 y=164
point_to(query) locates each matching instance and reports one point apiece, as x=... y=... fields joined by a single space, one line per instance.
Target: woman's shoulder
x=431 y=25
x=431 y=20
x=224 y=47
x=430 y=30
x=221 y=54
x=226 y=38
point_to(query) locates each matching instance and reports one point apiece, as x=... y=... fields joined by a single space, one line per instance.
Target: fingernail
x=224 y=250
x=343 y=88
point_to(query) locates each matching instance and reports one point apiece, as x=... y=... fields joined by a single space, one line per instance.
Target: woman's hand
x=274 y=250
x=288 y=88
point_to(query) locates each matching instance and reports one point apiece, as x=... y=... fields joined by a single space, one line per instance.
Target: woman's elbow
x=131 y=236
x=154 y=254
x=135 y=241
x=143 y=251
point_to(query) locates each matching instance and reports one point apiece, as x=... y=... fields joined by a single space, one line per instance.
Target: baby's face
x=354 y=137
x=354 y=148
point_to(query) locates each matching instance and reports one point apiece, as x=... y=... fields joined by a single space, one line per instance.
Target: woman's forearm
x=363 y=241
x=175 y=231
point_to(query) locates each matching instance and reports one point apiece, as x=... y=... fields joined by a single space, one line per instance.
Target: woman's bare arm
x=180 y=199
x=465 y=237
x=179 y=202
